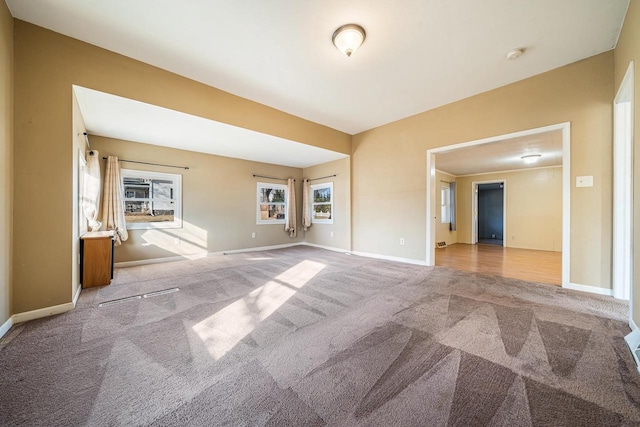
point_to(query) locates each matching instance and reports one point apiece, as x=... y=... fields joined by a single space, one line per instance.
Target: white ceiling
x=116 y=117
x=503 y=155
x=419 y=54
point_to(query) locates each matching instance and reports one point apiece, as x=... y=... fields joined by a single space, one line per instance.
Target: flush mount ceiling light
x=348 y=38
x=530 y=158
x=515 y=53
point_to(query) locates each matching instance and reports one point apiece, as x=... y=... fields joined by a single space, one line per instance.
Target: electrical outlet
x=331 y=234
x=253 y=235
x=176 y=240
x=402 y=240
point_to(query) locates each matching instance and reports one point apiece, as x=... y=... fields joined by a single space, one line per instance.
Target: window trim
x=261 y=185
x=445 y=203
x=177 y=198
x=313 y=188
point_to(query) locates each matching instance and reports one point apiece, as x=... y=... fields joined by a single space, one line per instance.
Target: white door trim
x=622 y=262
x=566 y=189
x=474 y=209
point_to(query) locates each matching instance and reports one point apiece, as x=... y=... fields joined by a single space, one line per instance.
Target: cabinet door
x=97 y=261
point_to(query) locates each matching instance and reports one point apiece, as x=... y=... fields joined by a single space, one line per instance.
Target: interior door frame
x=566 y=190
x=623 y=134
x=474 y=209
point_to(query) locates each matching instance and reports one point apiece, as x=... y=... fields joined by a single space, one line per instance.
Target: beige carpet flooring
x=303 y=336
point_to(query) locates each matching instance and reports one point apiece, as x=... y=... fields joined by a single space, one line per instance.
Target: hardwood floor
x=524 y=264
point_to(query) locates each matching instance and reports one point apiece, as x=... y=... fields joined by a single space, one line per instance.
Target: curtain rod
x=86 y=138
x=270 y=177
x=152 y=164
x=448 y=182
x=322 y=177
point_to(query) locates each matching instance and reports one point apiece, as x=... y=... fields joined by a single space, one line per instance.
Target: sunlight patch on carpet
x=223 y=330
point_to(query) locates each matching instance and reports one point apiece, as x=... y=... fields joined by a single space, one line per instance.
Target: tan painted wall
x=627 y=50
x=6 y=159
x=46 y=66
x=218 y=202
x=320 y=234
x=389 y=162
x=534 y=208
x=442 y=230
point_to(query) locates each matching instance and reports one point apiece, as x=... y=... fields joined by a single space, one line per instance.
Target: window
x=152 y=199
x=445 y=204
x=322 y=203
x=272 y=203
x=452 y=206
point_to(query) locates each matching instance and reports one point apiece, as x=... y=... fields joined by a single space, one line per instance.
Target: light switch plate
x=584 y=181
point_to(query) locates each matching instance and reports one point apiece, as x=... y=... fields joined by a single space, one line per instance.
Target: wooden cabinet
x=96 y=258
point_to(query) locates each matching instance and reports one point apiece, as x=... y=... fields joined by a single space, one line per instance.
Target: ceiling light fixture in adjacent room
x=348 y=38
x=515 y=53
x=530 y=158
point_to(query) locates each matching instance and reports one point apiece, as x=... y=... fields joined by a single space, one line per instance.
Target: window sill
x=320 y=221
x=151 y=226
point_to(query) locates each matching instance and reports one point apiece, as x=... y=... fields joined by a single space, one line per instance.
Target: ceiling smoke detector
x=514 y=53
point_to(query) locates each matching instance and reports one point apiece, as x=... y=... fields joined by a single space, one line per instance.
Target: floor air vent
x=162 y=292
x=136 y=297
x=119 y=301
x=442 y=244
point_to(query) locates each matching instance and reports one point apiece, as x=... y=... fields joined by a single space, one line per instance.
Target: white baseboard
x=390 y=258
x=74 y=301
x=42 y=312
x=182 y=258
x=633 y=342
x=6 y=326
x=329 y=248
x=267 y=248
x=39 y=313
x=257 y=249
x=587 y=288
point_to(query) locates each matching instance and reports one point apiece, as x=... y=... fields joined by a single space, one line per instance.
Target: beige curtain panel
x=113 y=201
x=290 y=220
x=306 y=204
x=91 y=190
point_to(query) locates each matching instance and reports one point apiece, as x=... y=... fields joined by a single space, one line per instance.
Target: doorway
x=564 y=130
x=490 y=213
